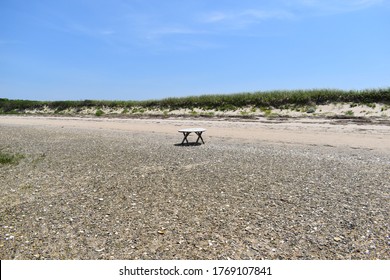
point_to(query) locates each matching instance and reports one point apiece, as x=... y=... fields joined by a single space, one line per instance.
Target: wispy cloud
x=94 y=32
x=166 y=31
x=129 y=25
x=199 y=29
x=63 y=22
x=247 y=17
x=338 y=6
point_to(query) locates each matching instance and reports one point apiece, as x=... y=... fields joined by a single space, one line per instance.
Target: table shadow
x=187 y=144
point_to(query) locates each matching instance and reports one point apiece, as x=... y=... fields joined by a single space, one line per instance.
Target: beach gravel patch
x=108 y=194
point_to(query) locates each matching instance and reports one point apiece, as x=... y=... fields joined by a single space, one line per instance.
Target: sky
x=153 y=49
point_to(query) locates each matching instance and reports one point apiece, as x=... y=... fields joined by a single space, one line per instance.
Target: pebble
x=250 y=177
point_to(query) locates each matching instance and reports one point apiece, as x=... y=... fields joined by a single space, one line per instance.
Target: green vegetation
x=99 y=113
x=224 y=102
x=311 y=110
x=6 y=158
x=266 y=110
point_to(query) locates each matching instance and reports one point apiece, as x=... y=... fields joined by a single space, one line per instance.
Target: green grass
x=222 y=102
x=99 y=113
x=7 y=158
x=193 y=113
x=384 y=108
x=266 y=111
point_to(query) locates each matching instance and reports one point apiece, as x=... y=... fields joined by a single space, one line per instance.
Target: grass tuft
x=6 y=158
x=99 y=113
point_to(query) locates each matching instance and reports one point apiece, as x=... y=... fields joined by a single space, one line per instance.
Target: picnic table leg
x=199 y=137
x=185 y=137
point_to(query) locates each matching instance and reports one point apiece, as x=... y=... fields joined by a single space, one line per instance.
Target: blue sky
x=149 y=49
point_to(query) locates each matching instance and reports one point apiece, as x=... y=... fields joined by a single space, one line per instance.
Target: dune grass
x=281 y=99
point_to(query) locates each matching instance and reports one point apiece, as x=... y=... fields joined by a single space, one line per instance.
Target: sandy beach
x=306 y=131
x=121 y=188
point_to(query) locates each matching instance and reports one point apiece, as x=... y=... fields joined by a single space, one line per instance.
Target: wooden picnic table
x=187 y=131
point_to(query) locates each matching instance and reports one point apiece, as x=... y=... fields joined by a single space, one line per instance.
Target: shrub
x=99 y=112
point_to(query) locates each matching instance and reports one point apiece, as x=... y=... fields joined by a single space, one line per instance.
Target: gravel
x=106 y=194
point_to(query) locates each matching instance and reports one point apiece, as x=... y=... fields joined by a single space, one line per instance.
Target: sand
x=112 y=188
x=330 y=132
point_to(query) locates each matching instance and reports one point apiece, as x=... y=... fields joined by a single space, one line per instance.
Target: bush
x=99 y=112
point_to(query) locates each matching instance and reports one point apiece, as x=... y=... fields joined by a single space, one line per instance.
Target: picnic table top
x=197 y=129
